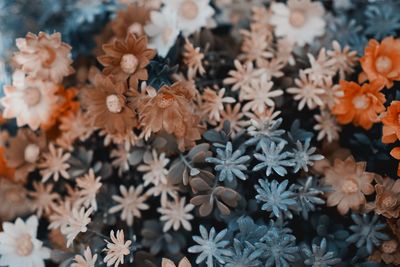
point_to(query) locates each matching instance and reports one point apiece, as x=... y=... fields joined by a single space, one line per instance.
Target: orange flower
x=382 y=60
x=391 y=123
x=360 y=104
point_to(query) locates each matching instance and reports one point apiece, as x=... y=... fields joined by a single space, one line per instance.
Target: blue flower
x=273 y=158
x=307 y=195
x=319 y=256
x=276 y=198
x=303 y=156
x=210 y=245
x=367 y=231
x=229 y=165
x=382 y=19
x=243 y=255
x=249 y=231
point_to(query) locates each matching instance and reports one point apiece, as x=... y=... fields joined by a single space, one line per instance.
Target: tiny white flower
x=176 y=214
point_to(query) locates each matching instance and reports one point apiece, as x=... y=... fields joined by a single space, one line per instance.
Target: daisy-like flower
x=44 y=56
x=88 y=186
x=391 y=123
x=307 y=92
x=130 y=20
x=54 y=164
x=184 y=262
x=213 y=103
x=300 y=21
x=243 y=75
x=106 y=106
x=127 y=59
x=235 y=116
x=88 y=260
x=192 y=58
x=345 y=59
x=120 y=158
x=162 y=31
x=271 y=68
x=60 y=214
x=19 y=245
x=131 y=202
x=44 y=199
x=303 y=155
x=349 y=182
x=75 y=125
x=259 y=95
x=76 y=223
x=163 y=190
x=360 y=104
x=23 y=153
x=381 y=60
x=191 y=14
x=256 y=44
x=117 y=249
x=154 y=168
x=31 y=101
x=176 y=214
x=326 y=126
x=321 y=68
x=332 y=93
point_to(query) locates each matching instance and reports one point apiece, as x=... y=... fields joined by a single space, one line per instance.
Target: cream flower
x=321 y=68
x=235 y=116
x=176 y=214
x=88 y=260
x=117 y=249
x=54 y=164
x=29 y=100
x=60 y=215
x=44 y=56
x=168 y=263
x=345 y=59
x=300 y=21
x=162 y=31
x=326 y=126
x=76 y=223
x=120 y=158
x=130 y=203
x=89 y=185
x=44 y=199
x=259 y=95
x=163 y=190
x=213 y=103
x=243 y=75
x=191 y=14
x=154 y=168
x=19 y=245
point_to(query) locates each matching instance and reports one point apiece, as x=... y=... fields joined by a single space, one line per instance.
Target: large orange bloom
x=391 y=123
x=382 y=60
x=360 y=104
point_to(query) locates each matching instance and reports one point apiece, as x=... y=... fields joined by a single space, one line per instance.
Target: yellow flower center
x=31 y=153
x=24 y=245
x=189 y=9
x=297 y=18
x=389 y=247
x=389 y=202
x=349 y=187
x=135 y=28
x=32 y=96
x=361 y=102
x=383 y=64
x=129 y=63
x=113 y=104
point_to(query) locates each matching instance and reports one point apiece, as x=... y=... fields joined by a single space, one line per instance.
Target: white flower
x=76 y=223
x=326 y=126
x=191 y=14
x=300 y=21
x=163 y=190
x=162 y=31
x=19 y=245
x=131 y=202
x=117 y=249
x=29 y=100
x=176 y=214
x=154 y=168
x=89 y=186
x=321 y=68
x=88 y=260
x=213 y=103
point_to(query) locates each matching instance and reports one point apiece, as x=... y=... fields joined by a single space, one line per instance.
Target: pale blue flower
x=319 y=256
x=244 y=254
x=304 y=156
x=307 y=196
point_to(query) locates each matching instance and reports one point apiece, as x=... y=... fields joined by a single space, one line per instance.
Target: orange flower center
x=189 y=9
x=49 y=55
x=32 y=96
x=135 y=28
x=24 y=245
x=165 y=100
x=129 y=63
x=389 y=247
x=349 y=187
x=361 y=102
x=31 y=153
x=383 y=64
x=389 y=202
x=297 y=18
x=113 y=104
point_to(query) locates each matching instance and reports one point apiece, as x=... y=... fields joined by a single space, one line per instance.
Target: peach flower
x=391 y=123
